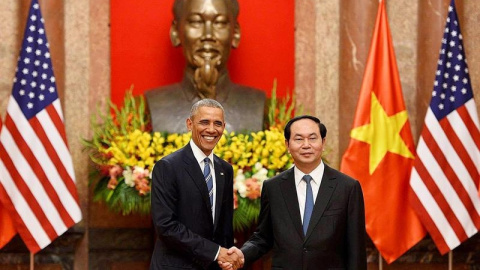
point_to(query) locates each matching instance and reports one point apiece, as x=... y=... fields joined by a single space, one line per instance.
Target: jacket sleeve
x=356 y=234
x=228 y=208
x=170 y=229
x=262 y=239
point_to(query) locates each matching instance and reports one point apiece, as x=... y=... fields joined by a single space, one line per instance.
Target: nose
x=208 y=31
x=211 y=127
x=306 y=143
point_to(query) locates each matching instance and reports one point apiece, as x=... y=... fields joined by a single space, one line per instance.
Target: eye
x=195 y=21
x=218 y=124
x=220 y=22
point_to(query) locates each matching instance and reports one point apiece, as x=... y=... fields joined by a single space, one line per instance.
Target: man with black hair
x=312 y=216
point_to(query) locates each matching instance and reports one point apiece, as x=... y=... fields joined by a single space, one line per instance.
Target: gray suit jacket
x=336 y=234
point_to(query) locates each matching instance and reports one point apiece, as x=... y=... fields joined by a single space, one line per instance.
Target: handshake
x=230 y=259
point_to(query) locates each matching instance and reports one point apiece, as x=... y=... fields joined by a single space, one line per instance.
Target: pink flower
x=235 y=199
x=115 y=171
x=139 y=173
x=112 y=184
x=142 y=186
x=253 y=188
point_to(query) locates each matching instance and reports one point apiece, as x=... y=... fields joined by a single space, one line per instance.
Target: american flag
x=37 y=181
x=445 y=176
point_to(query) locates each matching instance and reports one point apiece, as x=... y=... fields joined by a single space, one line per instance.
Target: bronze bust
x=206 y=30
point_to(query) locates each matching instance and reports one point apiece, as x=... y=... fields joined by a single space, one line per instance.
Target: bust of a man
x=207 y=30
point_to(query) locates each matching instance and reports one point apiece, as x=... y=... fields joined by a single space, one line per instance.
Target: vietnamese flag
x=381 y=150
x=7 y=229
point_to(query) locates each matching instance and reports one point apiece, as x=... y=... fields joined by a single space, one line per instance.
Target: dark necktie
x=308 y=203
x=208 y=179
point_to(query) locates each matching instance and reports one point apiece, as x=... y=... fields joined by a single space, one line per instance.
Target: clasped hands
x=230 y=259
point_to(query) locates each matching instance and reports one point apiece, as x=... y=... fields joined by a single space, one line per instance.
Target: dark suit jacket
x=336 y=234
x=181 y=213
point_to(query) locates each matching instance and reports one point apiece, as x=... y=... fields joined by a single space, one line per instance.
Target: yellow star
x=383 y=134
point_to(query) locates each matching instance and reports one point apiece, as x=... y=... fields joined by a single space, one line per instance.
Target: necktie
x=308 y=203
x=208 y=179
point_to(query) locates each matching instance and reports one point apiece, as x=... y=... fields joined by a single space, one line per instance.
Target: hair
x=178 y=8
x=207 y=102
x=288 y=126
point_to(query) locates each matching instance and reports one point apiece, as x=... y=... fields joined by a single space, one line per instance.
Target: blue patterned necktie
x=308 y=203
x=208 y=179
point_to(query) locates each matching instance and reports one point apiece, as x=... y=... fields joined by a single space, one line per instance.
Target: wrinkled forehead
x=181 y=7
x=207 y=112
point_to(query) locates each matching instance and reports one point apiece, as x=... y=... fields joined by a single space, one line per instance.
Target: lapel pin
x=221 y=173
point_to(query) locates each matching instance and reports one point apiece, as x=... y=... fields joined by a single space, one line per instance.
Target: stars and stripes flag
x=445 y=177
x=37 y=181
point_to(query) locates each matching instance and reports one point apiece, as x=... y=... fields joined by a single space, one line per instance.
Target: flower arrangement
x=124 y=150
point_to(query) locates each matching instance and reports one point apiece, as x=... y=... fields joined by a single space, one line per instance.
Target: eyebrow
x=301 y=135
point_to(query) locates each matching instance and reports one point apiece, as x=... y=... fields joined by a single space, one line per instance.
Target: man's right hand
x=235 y=259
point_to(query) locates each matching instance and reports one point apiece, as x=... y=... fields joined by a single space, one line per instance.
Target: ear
x=189 y=124
x=236 y=36
x=174 y=38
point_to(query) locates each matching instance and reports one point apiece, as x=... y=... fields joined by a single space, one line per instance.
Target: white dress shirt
x=200 y=157
x=301 y=185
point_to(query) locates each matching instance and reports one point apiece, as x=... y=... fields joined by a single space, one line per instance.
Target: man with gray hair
x=192 y=198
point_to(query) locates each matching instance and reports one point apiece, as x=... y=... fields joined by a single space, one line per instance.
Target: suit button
x=305 y=250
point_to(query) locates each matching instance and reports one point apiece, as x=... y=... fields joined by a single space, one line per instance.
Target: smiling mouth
x=209 y=138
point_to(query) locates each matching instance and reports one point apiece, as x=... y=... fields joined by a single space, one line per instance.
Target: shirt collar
x=198 y=154
x=316 y=174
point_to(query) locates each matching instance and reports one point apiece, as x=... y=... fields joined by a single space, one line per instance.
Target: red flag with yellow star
x=381 y=150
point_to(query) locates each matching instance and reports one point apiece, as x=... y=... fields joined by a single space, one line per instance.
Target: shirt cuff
x=218 y=252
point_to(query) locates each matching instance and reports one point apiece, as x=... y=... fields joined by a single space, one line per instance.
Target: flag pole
x=31 y=261
x=380 y=261
x=450 y=260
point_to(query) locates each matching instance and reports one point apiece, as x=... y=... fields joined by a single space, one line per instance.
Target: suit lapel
x=327 y=186
x=193 y=169
x=289 y=192
x=220 y=183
